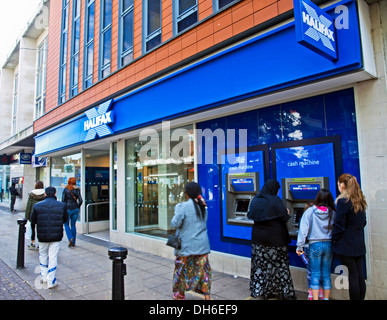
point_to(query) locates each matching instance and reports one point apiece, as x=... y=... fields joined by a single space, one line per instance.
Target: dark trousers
x=13 y=200
x=357 y=286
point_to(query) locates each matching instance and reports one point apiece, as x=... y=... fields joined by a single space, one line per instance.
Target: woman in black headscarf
x=270 y=271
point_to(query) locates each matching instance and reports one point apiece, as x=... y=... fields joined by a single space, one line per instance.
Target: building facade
x=144 y=96
x=22 y=100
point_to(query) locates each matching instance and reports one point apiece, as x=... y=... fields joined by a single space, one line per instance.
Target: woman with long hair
x=34 y=197
x=348 y=233
x=270 y=272
x=192 y=268
x=71 y=196
x=316 y=228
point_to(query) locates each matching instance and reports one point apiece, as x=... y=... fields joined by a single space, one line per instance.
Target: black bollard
x=118 y=255
x=21 y=244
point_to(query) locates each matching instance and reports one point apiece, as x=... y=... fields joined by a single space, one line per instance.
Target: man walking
x=49 y=216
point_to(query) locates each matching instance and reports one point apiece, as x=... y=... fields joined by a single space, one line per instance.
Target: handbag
x=174 y=241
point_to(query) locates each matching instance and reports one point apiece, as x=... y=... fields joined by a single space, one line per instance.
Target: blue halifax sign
x=98 y=120
x=315 y=29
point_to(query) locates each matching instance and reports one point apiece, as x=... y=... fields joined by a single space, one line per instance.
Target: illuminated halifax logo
x=315 y=29
x=98 y=120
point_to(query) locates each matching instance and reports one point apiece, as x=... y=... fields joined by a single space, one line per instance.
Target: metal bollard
x=21 y=243
x=118 y=255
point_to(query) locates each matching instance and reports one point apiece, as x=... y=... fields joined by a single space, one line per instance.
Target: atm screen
x=242 y=205
x=243 y=184
x=304 y=191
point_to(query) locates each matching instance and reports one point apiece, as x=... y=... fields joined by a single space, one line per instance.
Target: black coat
x=270 y=217
x=348 y=232
x=68 y=198
x=49 y=215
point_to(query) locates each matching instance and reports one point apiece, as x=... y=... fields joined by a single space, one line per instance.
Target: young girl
x=348 y=234
x=316 y=227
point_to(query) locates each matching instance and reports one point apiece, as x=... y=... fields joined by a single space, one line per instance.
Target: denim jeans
x=320 y=260
x=69 y=225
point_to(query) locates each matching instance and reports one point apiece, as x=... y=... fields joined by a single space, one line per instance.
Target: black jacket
x=68 y=198
x=49 y=215
x=270 y=217
x=348 y=232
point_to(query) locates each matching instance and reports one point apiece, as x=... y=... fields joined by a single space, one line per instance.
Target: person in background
x=14 y=193
x=49 y=216
x=270 y=273
x=348 y=233
x=308 y=272
x=72 y=198
x=34 y=197
x=316 y=227
x=192 y=268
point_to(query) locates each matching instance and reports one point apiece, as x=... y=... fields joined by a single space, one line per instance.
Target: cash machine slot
x=241 y=188
x=296 y=193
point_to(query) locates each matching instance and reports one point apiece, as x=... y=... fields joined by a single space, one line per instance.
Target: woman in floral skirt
x=192 y=268
x=270 y=273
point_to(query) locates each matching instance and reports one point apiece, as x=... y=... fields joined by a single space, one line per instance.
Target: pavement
x=84 y=272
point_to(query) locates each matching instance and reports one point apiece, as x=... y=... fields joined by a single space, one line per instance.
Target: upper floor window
x=75 y=39
x=151 y=24
x=219 y=4
x=89 y=44
x=63 y=51
x=14 y=104
x=41 y=71
x=105 y=38
x=185 y=14
x=126 y=32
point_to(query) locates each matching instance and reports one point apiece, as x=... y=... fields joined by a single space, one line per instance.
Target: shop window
x=156 y=173
x=63 y=168
x=126 y=32
x=89 y=44
x=114 y=198
x=105 y=38
x=63 y=51
x=74 y=65
x=186 y=14
x=151 y=24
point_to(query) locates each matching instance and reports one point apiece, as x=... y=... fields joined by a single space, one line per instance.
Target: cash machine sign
x=315 y=29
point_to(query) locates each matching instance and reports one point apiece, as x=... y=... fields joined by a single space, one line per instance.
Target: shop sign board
x=315 y=29
x=98 y=120
x=25 y=158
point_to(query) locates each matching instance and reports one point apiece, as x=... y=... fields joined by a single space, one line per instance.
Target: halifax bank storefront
x=281 y=104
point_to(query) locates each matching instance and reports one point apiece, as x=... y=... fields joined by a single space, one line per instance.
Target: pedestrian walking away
x=14 y=193
x=270 y=272
x=72 y=198
x=34 y=197
x=348 y=233
x=192 y=267
x=49 y=216
x=316 y=228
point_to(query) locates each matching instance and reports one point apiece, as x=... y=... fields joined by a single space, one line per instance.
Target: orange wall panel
x=212 y=29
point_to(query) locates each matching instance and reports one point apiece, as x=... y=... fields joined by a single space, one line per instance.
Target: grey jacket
x=315 y=226
x=191 y=229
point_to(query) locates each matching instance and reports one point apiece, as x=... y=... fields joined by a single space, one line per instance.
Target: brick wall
x=211 y=30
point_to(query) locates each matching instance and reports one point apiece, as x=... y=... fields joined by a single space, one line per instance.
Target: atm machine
x=296 y=193
x=241 y=188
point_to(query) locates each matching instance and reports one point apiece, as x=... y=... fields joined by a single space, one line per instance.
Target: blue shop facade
x=280 y=105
